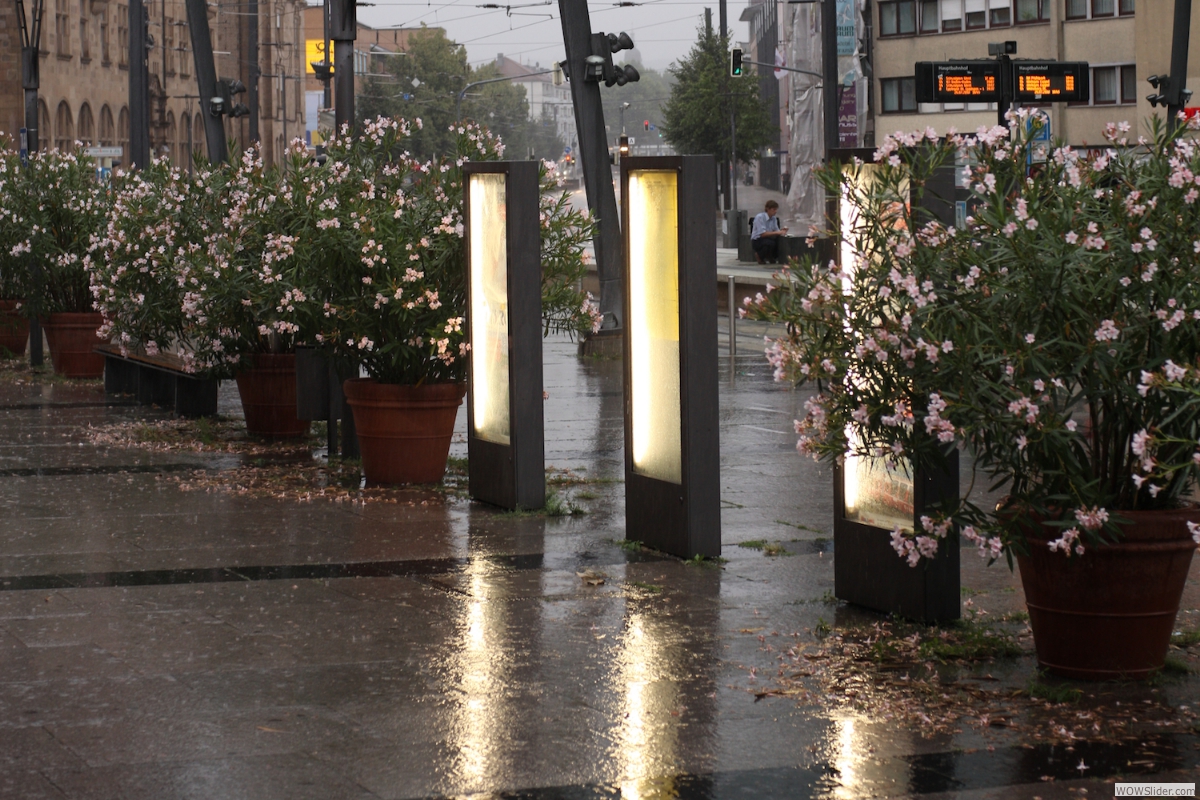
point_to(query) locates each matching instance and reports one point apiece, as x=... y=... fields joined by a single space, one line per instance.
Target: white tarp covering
x=806 y=197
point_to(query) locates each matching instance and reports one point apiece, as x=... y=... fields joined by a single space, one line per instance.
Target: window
x=1098 y=9
x=62 y=28
x=951 y=15
x=64 y=128
x=43 y=126
x=108 y=132
x=1129 y=86
x=899 y=95
x=168 y=50
x=87 y=131
x=123 y=36
x=1104 y=86
x=123 y=132
x=1113 y=85
x=929 y=16
x=897 y=17
x=1029 y=11
x=185 y=57
x=999 y=13
x=85 y=44
x=976 y=14
x=105 y=56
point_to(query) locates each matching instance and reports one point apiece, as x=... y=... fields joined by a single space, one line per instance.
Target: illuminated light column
x=672 y=450
x=504 y=327
x=872 y=496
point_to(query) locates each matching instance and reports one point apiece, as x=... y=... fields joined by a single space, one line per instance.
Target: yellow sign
x=314 y=50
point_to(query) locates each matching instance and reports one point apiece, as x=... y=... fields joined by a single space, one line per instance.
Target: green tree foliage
x=425 y=83
x=697 y=115
x=646 y=99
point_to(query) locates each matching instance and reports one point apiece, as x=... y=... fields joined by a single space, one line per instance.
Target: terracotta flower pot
x=72 y=338
x=1109 y=613
x=268 y=392
x=14 y=328
x=404 y=431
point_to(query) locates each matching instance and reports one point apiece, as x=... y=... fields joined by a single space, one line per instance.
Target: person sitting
x=765 y=233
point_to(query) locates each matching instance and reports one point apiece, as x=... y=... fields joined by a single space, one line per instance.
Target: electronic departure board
x=1050 y=81
x=958 y=81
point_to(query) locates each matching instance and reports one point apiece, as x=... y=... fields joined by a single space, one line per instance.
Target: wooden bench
x=158 y=380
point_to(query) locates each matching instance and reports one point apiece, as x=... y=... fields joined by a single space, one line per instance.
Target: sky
x=662 y=30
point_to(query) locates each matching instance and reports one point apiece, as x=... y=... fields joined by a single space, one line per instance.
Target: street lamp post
x=458 y=98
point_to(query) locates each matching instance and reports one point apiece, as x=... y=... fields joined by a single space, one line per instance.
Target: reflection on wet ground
x=161 y=643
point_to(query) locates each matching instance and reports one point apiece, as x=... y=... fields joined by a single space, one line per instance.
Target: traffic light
x=1160 y=83
x=623 y=145
x=600 y=65
x=735 y=62
x=322 y=69
x=646 y=125
x=223 y=104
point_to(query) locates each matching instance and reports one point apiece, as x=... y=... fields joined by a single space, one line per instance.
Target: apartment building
x=84 y=93
x=1123 y=41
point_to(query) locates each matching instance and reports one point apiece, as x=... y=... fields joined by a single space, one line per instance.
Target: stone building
x=84 y=93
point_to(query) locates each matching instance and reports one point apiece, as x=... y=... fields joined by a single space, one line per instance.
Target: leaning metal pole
x=593 y=153
x=206 y=80
x=343 y=30
x=31 y=42
x=139 y=87
x=1180 y=39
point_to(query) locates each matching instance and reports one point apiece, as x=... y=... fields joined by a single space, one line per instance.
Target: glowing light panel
x=654 y=324
x=489 y=307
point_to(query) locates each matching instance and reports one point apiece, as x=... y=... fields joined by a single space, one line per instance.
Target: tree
x=425 y=82
x=696 y=117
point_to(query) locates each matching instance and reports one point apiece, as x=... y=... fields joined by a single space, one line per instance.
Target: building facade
x=543 y=95
x=84 y=92
x=1123 y=41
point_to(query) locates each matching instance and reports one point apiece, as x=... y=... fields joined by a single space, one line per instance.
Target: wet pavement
x=163 y=643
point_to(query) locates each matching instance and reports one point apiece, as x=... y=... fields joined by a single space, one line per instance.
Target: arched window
x=64 y=127
x=123 y=134
x=198 y=134
x=43 y=126
x=108 y=131
x=87 y=128
x=183 y=154
x=172 y=137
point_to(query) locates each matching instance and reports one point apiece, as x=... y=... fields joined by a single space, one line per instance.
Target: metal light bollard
x=672 y=445
x=505 y=420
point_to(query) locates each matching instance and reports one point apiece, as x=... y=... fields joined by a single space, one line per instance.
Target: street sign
x=567 y=150
x=1055 y=81
x=1039 y=151
x=104 y=152
x=958 y=81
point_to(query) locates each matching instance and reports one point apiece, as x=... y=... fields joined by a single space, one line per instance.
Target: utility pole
x=31 y=42
x=594 y=159
x=829 y=66
x=139 y=85
x=725 y=167
x=255 y=69
x=206 y=80
x=343 y=30
x=1180 y=39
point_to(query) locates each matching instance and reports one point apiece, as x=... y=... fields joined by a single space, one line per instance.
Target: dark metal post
x=829 y=68
x=206 y=80
x=139 y=87
x=1180 y=39
x=31 y=42
x=343 y=30
x=328 y=79
x=255 y=69
x=672 y=441
x=1007 y=89
x=507 y=465
x=593 y=155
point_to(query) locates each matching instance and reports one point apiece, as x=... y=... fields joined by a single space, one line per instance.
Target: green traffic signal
x=735 y=62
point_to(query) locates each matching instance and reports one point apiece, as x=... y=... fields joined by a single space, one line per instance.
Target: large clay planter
x=14 y=328
x=404 y=431
x=1109 y=613
x=72 y=338
x=268 y=392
